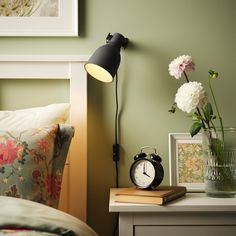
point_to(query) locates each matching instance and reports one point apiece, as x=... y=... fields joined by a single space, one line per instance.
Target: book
x=159 y=196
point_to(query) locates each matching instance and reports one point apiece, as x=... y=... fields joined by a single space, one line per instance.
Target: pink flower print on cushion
x=8 y=152
x=36 y=174
x=53 y=185
x=44 y=145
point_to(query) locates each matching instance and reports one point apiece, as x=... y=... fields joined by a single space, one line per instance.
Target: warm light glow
x=98 y=72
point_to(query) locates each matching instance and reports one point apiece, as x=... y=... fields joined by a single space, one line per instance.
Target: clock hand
x=146 y=174
x=144 y=167
x=144 y=170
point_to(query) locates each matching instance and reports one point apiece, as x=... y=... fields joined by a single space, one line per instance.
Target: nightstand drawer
x=185 y=230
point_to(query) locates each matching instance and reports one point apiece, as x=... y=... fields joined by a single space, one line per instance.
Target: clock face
x=143 y=173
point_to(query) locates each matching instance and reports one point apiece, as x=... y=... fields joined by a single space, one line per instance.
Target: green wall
x=159 y=30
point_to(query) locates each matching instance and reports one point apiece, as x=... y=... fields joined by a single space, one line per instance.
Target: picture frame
x=40 y=18
x=186 y=161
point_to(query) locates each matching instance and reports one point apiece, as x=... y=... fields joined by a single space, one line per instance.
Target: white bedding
x=18 y=213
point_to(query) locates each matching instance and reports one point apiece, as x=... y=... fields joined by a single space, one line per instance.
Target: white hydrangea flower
x=190 y=96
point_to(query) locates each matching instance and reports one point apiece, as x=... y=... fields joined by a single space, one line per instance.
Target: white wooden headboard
x=74 y=187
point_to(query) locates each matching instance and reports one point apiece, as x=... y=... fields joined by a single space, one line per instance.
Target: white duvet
x=19 y=213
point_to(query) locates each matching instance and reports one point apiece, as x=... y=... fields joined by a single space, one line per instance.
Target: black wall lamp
x=103 y=66
x=105 y=61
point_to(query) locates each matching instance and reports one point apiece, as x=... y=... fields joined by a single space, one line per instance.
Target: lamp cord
x=116 y=148
x=117 y=110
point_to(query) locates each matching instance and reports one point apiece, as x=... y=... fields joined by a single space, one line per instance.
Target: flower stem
x=213 y=126
x=217 y=109
x=186 y=77
x=199 y=113
x=203 y=125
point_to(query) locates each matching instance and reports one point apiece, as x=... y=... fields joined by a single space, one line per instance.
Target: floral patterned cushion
x=32 y=162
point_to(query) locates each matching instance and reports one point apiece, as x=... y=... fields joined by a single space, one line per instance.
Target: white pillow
x=34 y=117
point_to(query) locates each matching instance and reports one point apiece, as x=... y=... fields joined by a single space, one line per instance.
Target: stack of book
x=159 y=196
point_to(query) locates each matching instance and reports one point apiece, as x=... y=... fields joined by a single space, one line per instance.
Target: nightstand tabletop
x=197 y=202
x=194 y=214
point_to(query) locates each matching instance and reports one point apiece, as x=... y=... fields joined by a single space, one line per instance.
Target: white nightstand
x=193 y=215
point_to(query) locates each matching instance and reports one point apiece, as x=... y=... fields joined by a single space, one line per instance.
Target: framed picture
x=186 y=161
x=39 y=18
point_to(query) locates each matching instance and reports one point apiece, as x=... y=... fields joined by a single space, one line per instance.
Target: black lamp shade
x=105 y=61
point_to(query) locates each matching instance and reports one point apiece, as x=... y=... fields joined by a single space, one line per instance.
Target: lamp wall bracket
x=118 y=39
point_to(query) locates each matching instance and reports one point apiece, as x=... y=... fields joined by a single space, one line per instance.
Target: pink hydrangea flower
x=181 y=64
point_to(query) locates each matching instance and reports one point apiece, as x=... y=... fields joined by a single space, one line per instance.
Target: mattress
x=23 y=217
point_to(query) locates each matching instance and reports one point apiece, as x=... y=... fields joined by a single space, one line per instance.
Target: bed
x=23 y=213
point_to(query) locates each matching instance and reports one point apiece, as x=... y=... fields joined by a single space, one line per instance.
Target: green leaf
x=173 y=108
x=195 y=128
x=196 y=117
x=208 y=111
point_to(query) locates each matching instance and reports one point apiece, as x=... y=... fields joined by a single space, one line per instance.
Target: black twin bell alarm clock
x=146 y=172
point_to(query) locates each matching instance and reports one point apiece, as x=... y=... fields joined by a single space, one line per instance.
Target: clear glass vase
x=219 y=150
